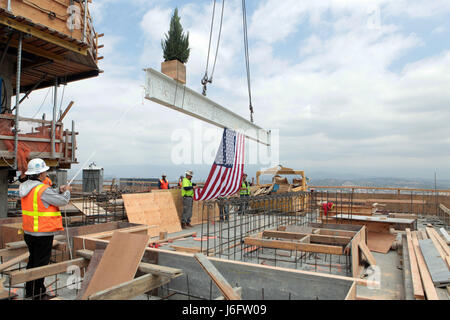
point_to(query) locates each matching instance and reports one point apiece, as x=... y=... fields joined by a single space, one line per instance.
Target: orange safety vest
x=36 y=217
x=48 y=181
x=164 y=184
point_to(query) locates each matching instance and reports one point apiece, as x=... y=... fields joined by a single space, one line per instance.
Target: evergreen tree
x=176 y=45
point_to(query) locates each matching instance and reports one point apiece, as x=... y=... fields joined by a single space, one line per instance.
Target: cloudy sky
x=353 y=86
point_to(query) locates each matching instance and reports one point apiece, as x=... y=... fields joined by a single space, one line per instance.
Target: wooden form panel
x=288 y=245
x=198 y=215
x=119 y=262
x=153 y=209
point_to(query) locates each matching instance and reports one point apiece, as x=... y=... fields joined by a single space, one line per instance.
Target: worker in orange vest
x=48 y=181
x=163 y=183
x=41 y=220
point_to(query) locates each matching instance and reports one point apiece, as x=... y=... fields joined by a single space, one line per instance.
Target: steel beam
x=161 y=89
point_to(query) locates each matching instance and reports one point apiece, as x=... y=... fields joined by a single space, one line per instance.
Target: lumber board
x=144 y=267
x=93 y=264
x=352 y=292
x=430 y=290
x=6 y=253
x=415 y=274
x=341 y=233
x=365 y=250
x=190 y=249
x=131 y=289
x=14 y=261
x=288 y=245
x=221 y=283
x=436 y=265
x=441 y=241
x=313 y=237
x=119 y=263
x=22 y=276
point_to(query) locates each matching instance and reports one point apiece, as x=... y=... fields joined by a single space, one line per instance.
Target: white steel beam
x=161 y=89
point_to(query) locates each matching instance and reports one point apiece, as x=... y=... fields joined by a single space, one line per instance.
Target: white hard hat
x=163 y=175
x=36 y=166
x=189 y=173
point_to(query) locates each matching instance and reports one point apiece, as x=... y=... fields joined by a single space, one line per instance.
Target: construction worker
x=223 y=209
x=48 y=181
x=163 y=183
x=41 y=220
x=327 y=206
x=244 y=192
x=187 y=192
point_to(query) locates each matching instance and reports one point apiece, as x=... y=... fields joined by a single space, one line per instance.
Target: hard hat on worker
x=36 y=166
x=189 y=173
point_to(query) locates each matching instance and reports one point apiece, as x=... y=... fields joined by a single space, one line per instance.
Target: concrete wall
x=3 y=193
x=257 y=282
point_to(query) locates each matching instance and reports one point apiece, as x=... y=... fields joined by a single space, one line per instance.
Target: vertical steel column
x=55 y=105
x=16 y=119
x=8 y=5
x=73 y=141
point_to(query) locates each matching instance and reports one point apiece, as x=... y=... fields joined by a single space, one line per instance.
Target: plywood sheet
x=119 y=263
x=92 y=267
x=153 y=209
x=380 y=242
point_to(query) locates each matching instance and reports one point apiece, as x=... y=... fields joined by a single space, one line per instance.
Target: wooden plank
x=22 y=276
x=341 y=233
x=93 y=264
x=313 y=238
x=380 y=242
x=437 y=267
x=441 y=241
x=352 y=292
x=190 y=249
x=217 y=278
x=365 y=250
x=14 y=261
x=154 y=269
x=428 y=285
x=119 y=262
x=415 y=274
x=42 y=35
x=131 y=289
x=287 y=245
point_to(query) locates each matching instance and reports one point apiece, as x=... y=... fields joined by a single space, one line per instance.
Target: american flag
x=226 y=172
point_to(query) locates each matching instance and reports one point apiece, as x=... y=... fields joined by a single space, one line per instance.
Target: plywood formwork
x=199 y=214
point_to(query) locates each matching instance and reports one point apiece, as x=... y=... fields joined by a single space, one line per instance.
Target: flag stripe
x=225 y=178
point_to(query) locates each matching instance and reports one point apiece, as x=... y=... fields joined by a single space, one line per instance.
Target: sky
x=350 y=86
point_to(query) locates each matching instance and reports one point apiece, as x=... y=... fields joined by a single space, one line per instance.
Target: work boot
x=183 y=225
x=188 y=225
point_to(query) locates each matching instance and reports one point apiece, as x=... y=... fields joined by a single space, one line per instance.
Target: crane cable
x=205 y=80
x=247 y=58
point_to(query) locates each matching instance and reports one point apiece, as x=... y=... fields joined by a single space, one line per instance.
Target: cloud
x=331 y=75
